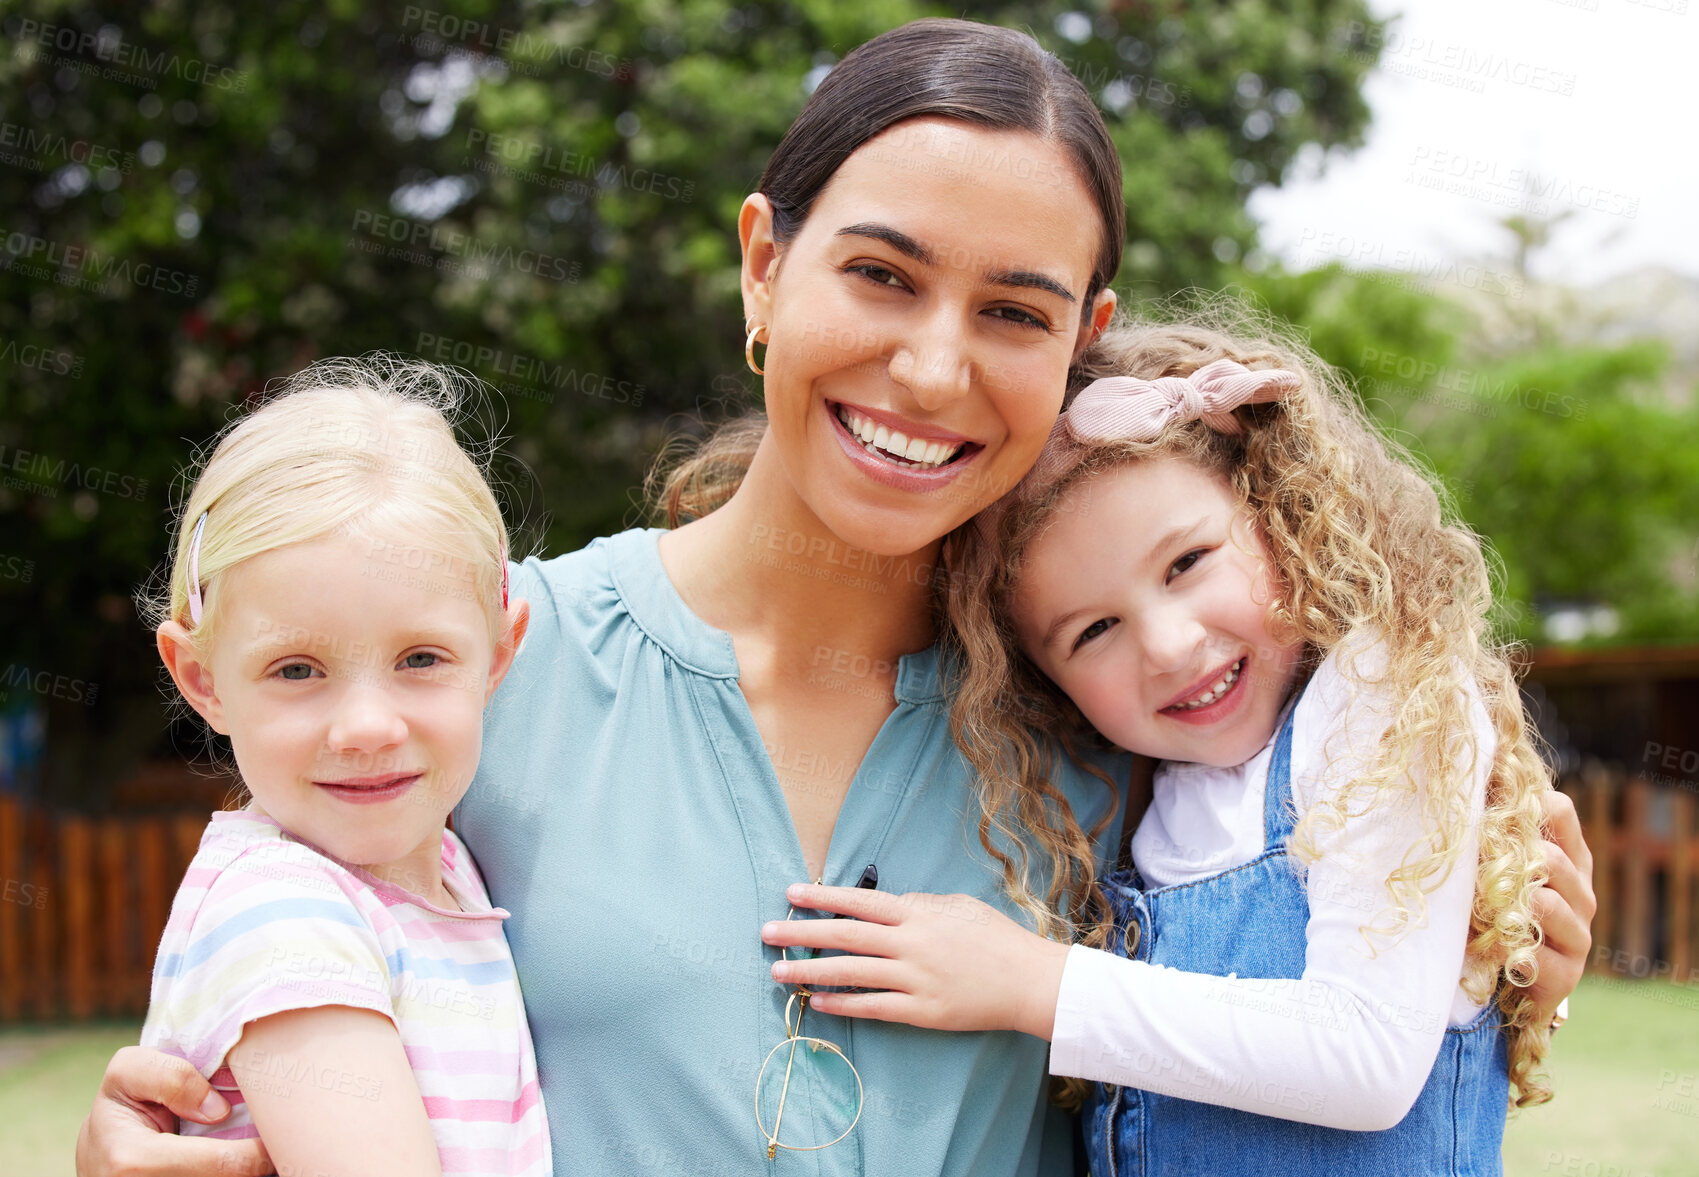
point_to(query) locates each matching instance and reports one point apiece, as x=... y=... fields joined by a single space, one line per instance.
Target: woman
x=929 y=252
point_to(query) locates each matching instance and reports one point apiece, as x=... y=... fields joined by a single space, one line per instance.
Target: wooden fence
x=1645 y=848
x=83 y=900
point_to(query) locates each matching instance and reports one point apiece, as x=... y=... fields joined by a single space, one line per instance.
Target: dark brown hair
x=958 y=69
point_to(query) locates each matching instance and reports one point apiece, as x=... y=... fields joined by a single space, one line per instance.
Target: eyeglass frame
x=793 y=1036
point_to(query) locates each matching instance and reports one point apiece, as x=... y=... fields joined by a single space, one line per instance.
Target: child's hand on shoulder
x=943 y=962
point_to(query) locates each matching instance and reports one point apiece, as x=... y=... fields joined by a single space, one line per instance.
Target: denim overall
x=1249 y=921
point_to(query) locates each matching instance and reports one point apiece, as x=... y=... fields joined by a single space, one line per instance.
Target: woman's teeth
x=891 y=445
x=1216 y=691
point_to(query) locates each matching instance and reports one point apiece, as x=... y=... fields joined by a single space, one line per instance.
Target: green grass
x=48 y=1077
x=1626 y=1071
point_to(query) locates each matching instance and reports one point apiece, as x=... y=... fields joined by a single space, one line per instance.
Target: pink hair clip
x=1122 y=408
x=195 y=569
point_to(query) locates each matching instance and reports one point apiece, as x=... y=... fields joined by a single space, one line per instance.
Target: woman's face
x=921 y=325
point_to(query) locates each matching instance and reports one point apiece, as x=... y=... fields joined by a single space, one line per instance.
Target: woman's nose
x=934 y=364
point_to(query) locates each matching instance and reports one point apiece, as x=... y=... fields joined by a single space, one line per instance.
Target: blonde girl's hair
x=1363 y=544
x=364 y=447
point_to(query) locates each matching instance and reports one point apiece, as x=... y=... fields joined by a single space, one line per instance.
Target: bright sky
x=1472 y=122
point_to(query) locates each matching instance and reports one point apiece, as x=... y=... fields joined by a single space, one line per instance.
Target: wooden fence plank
x=76 y=884
x=46 y=937
x=157 y=877
x=1598 y=828
x=13 y=878
x=1634 y=927
x=117 y=899
x=1678 y=883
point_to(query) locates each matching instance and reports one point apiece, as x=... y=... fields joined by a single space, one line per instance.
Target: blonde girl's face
x=1146 y=601
x=351 y=675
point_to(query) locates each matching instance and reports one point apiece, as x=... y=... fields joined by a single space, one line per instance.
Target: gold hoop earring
x=749 y=350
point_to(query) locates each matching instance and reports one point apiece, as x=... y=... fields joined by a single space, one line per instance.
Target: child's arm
x=1347 y=1045
x=331 y=1092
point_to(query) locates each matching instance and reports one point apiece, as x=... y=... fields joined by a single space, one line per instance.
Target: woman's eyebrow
x=1028 y=280
x=910 y=248
x=895 y=238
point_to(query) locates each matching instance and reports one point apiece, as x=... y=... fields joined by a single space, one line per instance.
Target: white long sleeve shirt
x=1357 y=1034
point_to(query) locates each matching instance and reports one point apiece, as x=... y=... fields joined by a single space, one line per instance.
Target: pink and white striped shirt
x=264 y=922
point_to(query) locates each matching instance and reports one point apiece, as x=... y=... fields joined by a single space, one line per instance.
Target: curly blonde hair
x=1364 y=544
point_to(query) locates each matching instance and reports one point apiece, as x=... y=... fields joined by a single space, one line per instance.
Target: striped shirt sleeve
x=274 y=929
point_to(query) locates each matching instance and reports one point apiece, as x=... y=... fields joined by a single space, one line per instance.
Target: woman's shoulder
x=583 y=577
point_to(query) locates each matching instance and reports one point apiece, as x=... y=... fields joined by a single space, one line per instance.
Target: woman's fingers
x=1563 y=826
x=1569 y=862
x=1564 y=906
x=142 y=1095
x=137 y=1075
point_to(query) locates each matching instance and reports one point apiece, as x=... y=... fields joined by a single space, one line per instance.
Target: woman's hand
x=142 y=1095
x=945 y=962
x=1564 y=906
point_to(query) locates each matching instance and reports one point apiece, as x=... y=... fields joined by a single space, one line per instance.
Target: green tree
x=200 y=196
x=1569 y=459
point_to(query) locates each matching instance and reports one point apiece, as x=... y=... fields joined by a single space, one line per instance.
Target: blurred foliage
x=1571 y=459
x=200 y=196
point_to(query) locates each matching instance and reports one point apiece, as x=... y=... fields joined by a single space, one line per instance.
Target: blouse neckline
x=641 y=580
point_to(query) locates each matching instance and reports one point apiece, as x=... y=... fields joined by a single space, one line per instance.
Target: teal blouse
x=628 y=815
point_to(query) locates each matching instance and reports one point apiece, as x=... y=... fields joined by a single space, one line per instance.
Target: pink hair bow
x=1122 y=408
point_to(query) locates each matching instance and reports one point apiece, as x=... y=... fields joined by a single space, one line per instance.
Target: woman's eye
x=1019 y=317
x=1184 y=562
x=878 y=274
x=296 y=672
x=420 y=660
x=1096 y=629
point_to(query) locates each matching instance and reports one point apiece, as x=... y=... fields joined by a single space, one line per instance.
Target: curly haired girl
x=1218 y=562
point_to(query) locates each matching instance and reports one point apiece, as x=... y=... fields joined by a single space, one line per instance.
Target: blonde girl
x=1218 y=562
x=338 y=609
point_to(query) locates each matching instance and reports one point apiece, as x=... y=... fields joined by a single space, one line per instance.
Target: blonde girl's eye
x=420 y=660
x=295 y=672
